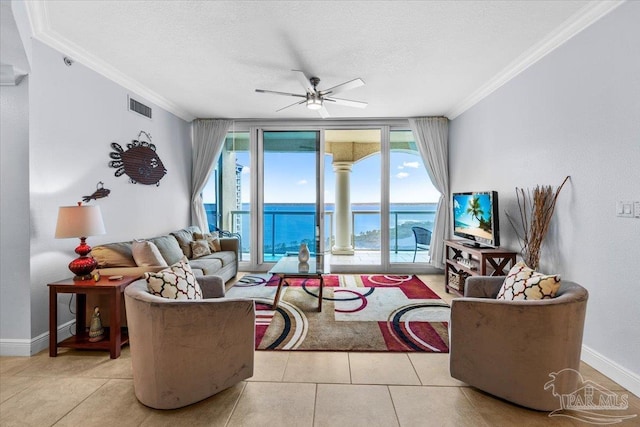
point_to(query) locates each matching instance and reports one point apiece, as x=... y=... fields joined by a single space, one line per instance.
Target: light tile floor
x=288 y=389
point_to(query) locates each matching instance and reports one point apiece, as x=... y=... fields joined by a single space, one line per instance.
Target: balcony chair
x=423 y=240
x=509 y=348
x=184 y=351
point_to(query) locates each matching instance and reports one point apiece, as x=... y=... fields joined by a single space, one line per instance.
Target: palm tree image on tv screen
x=473 y=217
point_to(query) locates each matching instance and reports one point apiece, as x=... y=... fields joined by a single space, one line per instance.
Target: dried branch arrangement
x=536 y=210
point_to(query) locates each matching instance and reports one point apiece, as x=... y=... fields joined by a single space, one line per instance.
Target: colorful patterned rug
x=359 y=313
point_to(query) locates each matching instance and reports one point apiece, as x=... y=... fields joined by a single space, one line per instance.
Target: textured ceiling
x=205 y=58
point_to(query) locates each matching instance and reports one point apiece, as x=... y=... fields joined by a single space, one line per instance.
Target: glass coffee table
x=290 y=267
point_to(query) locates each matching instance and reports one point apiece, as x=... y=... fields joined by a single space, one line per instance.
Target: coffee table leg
x=320 y=294
x=277 y=297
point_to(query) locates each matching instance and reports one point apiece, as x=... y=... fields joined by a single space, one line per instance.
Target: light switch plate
x=625 y=209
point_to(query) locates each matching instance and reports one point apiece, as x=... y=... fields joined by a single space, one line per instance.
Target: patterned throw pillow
x=522 y=283
x=175 y=282
x=212 y=238
x=200 y=248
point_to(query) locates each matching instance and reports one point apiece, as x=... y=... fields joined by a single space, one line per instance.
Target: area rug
x=359 y=313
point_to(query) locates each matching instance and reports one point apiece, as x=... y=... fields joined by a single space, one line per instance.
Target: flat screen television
x=475 y=218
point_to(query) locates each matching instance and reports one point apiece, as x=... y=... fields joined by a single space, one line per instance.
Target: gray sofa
x=117 y=259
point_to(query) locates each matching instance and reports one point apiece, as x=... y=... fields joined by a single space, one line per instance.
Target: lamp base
x=83 y=265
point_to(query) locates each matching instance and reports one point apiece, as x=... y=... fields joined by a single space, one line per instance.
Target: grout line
x=235 y=404
x=393 y=404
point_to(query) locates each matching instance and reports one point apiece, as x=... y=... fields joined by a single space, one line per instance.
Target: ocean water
x=287 y=225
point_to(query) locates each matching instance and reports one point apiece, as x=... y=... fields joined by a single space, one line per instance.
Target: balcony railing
x=285 y=230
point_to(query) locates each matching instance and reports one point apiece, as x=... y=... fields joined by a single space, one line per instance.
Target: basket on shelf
x=456 y=280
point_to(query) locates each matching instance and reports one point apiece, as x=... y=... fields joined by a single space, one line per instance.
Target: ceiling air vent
x=139 y=107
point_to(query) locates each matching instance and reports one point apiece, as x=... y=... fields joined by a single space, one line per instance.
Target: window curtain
x=432 y=138
x=208 y=138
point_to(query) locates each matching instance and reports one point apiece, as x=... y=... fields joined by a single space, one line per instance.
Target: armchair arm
x=212 y=286
x=230 y=244
x=483 y=286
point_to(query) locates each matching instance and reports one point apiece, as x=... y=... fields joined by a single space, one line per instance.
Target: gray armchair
x=509 y=348
x=185 y=351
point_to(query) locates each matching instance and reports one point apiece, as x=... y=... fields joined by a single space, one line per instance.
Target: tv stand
x=475 y=245
x=478 y=261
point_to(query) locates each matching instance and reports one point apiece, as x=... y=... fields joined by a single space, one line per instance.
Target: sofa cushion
x=146 y=254
x=212 y=238
x=522 y=283
x=184 y=238
x=114 y=255
x=175 y=282
x=200 y=248
x=169 y=248
x=207 y=264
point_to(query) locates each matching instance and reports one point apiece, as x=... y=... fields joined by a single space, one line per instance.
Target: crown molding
x=572 y=26
x=42 y=31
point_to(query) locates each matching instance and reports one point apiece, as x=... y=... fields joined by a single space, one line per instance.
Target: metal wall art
x=98 y=194
x=140 y=161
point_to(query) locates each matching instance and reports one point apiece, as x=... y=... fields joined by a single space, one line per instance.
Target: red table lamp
x=80 y=221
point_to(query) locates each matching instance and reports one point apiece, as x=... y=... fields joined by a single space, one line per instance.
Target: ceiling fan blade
x=304 y=80
x=323 y=112
x=346 y=102
x=351 y=84
x=281 y=93
x=295 y=103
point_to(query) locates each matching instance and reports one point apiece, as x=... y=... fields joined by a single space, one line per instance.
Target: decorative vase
x=303 y=254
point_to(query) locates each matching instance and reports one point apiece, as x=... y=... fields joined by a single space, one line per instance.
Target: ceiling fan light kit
x=314 y=103
x=314 y=98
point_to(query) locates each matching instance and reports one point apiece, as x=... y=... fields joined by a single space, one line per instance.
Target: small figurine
x=96 y=331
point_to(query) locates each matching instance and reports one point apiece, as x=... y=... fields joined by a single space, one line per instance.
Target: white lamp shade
x=79 y=221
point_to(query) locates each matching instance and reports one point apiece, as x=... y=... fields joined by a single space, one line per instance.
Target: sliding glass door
x=289 y=194
x=359 y=195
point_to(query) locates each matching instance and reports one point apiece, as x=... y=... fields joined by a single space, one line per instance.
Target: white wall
x=14 y=196
x=14 y=185
x=576 y=112
x=74 y=115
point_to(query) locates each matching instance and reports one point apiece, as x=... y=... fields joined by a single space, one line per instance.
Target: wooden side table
x=114 y=338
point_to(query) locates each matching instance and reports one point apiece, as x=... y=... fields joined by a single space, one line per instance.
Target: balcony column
x=343 y=244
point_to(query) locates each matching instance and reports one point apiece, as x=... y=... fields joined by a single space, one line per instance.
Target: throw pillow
x=175 y=282
x=200 y=248
x=522 y=283
x=212 y=238
x=169 y=248
x=146 y=254
x=113 y=255
x=184 y=238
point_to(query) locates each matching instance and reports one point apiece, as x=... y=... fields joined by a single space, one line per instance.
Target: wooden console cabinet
x=114 y=337
x=482 y=262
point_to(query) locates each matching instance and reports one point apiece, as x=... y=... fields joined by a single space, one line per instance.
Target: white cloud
x=302 y=182
x=414 y=165
x=400 y=167
x=402 y=175
x=246 y=170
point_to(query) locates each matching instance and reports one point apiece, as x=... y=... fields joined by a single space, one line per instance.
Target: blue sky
x=291 y=178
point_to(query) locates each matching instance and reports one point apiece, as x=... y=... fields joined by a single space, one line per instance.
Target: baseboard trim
x=26 y=347
x=611 y=369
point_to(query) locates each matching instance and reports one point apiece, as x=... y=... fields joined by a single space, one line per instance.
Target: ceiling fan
x=315 y=99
